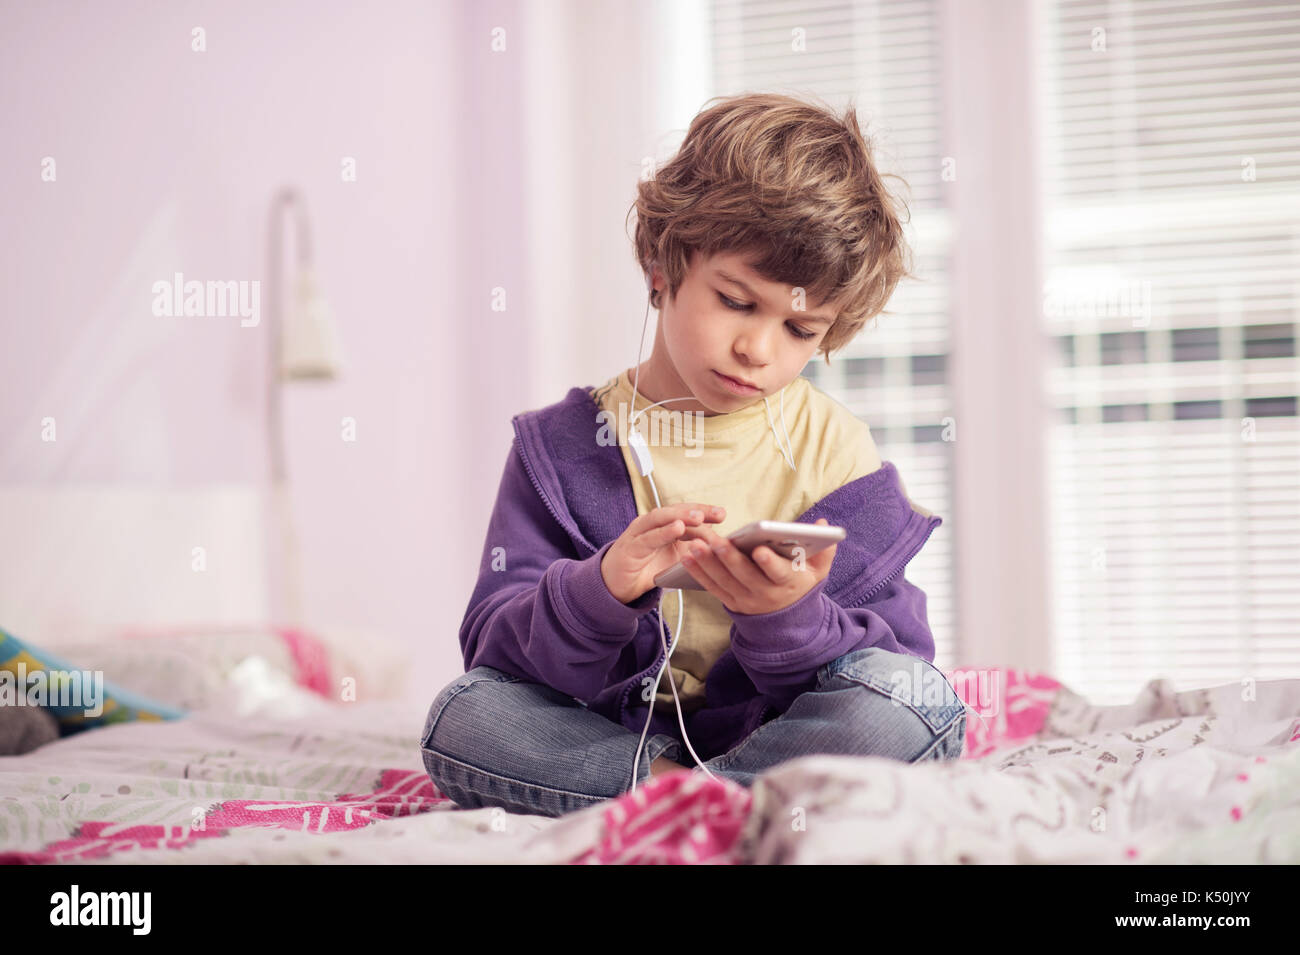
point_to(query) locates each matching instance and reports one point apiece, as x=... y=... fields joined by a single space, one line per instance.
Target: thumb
x=826 y=555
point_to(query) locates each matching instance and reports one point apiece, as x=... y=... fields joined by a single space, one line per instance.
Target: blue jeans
x=495 y=739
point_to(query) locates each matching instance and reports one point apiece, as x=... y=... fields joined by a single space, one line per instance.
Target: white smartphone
x=781 y=536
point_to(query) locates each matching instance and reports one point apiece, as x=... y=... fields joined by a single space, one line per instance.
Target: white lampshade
x=309 y=344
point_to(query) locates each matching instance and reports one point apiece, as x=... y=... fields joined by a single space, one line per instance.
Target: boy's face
x=716 y=327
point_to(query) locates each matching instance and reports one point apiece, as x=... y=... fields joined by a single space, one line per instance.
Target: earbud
x=640 y=450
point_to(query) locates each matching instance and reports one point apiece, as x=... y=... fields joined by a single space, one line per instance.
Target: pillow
x=196 y=667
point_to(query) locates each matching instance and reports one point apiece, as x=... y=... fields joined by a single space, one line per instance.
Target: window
x=1171 y=160
x=885 y=57
x=1169 y=151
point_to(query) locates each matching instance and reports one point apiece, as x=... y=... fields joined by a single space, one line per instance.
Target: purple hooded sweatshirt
x=541 y=610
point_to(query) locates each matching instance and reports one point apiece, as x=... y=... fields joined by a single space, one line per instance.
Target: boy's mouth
x=736 y=387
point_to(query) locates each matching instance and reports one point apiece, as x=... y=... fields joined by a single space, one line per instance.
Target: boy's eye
x=795 y=330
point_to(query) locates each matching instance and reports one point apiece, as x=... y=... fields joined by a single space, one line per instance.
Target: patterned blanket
x=295 y=776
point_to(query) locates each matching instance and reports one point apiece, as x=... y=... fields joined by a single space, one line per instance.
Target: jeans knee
x=478 y=678
x=936 y=720
x=949 y=744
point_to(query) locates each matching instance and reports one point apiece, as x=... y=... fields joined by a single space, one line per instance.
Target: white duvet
x=1205 y=776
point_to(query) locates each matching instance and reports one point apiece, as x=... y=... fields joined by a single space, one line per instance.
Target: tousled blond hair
x=793 y=188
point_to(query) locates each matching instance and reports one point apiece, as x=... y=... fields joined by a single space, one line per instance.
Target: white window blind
x=883 y=56
x=1171 y=159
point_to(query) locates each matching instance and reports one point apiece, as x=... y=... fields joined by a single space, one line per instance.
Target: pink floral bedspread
x=1204 y=775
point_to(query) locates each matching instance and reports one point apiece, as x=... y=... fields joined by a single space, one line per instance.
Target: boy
x=767 y=238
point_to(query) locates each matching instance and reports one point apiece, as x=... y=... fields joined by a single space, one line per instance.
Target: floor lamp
x=303 y=347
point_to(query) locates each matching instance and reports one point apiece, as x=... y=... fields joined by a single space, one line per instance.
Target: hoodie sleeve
x=783 y=650
x=538 y=610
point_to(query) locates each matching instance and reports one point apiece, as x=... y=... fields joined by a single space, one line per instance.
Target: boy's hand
x=763 y=583
x=651 y=544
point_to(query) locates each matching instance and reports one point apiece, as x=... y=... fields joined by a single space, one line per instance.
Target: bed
x=267 y=766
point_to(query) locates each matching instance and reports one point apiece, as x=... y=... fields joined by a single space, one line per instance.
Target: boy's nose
x=753 y=350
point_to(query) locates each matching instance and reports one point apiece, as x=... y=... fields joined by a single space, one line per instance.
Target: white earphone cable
x=646 y=465
x=787 y=450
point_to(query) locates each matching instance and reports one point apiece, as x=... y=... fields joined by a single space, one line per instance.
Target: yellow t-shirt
x=733 y=460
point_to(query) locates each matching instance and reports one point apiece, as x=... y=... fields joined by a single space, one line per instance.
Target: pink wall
x=166 y=161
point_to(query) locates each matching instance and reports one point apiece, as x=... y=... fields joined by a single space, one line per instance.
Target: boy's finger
x=827 y=554
x=820 y=562
x=660 y=536
x=655 y=521
x=698 y=512
x=774 y=565
x=743 y=567
x=688 y=533
x=710 y=573
x=687 y=513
